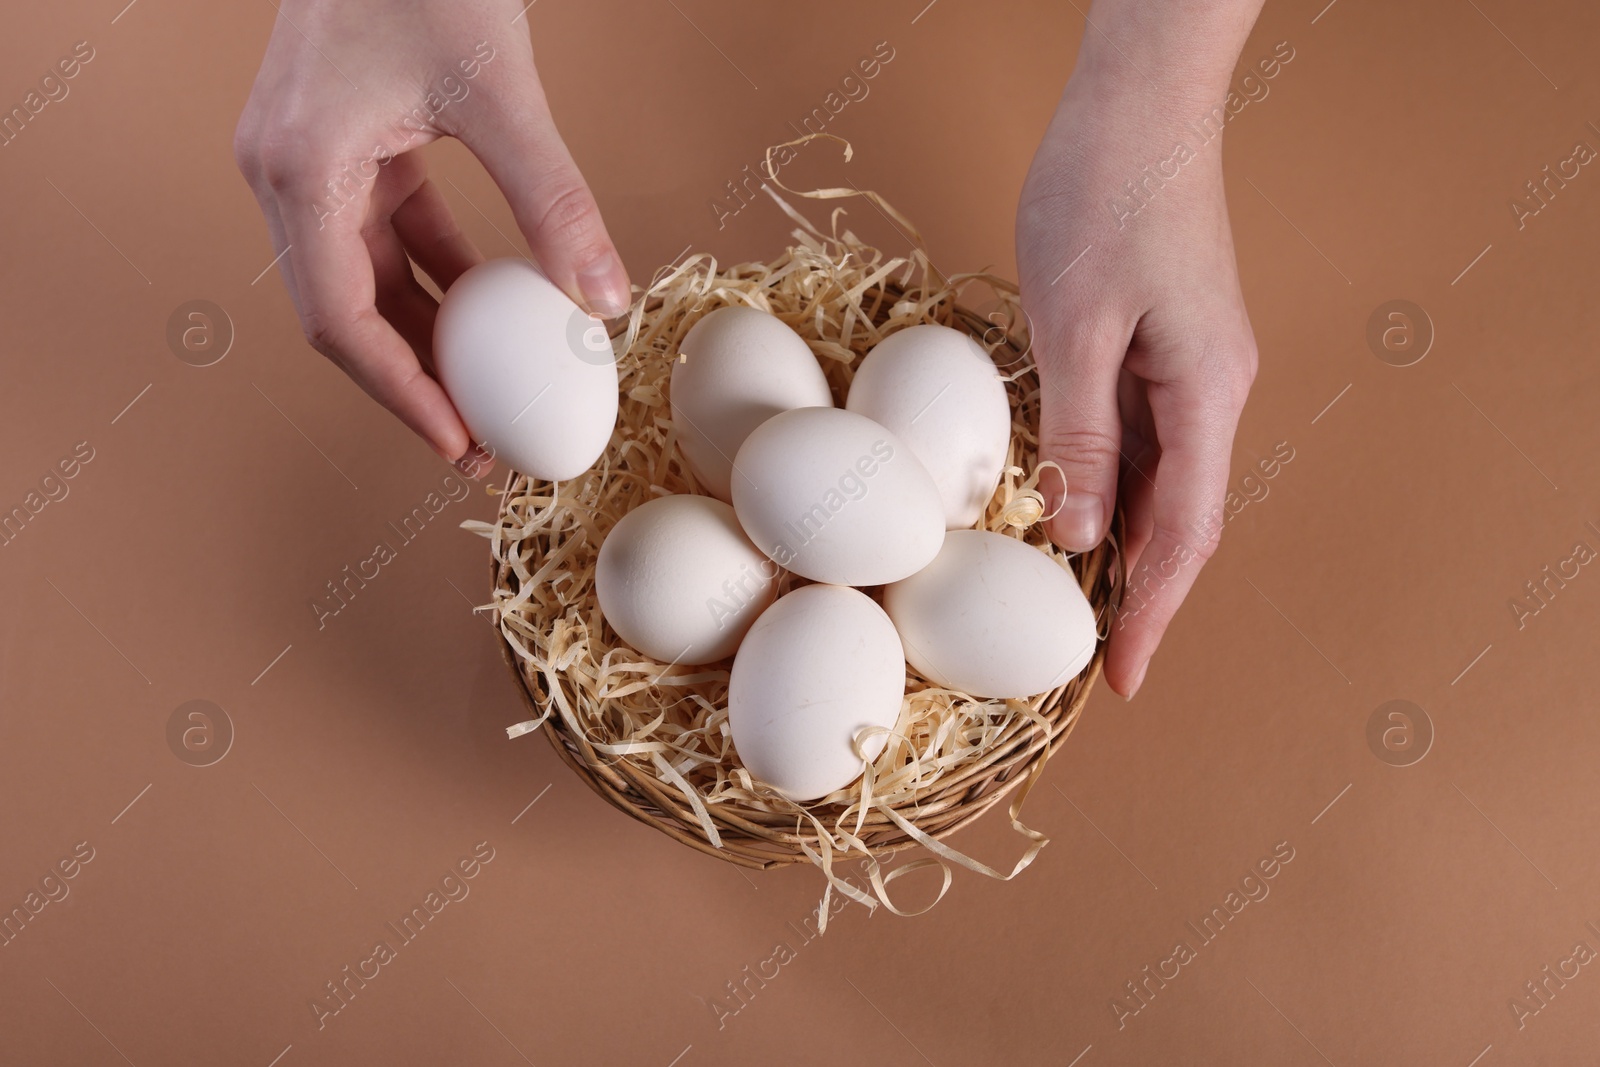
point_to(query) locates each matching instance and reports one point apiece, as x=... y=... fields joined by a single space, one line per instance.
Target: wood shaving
x=653 y=738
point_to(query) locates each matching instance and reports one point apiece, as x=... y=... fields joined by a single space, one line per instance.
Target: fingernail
x=1080 y=519
x=604 y=287
x=1138 y=680
x=475 y=463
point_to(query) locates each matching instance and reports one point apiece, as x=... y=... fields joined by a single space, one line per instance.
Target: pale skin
x=1144 y=346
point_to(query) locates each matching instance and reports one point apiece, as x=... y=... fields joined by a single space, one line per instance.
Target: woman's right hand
x=347 y=94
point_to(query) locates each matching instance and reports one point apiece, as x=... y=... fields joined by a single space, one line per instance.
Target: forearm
x=1171 y=58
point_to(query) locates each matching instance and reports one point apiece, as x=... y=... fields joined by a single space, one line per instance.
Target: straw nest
x=652 y=738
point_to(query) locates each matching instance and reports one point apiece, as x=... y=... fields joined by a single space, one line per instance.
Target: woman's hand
x=1139 y=330
x=346 y=95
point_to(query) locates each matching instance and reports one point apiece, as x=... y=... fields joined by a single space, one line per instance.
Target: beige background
x=369 y=756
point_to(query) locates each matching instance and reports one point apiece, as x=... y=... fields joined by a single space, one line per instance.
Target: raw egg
x=678 y=579
x=994 y=617
x=835 y=497
x=820 y=664
x=736 y=368
x=531 y=373
x=940 y=393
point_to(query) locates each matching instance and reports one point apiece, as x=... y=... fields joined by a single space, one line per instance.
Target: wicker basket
x=554 y=651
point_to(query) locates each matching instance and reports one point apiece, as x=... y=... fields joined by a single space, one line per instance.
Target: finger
x=411 y=310
x=478 y=462
x=428 y=230
x=1141 y=450
x=516 y=138
x=397 y=294
x=1195 y=423
x=269 y=211
x=1081 y=428
x=400 y=298
x=406 y=202
x=333 y=274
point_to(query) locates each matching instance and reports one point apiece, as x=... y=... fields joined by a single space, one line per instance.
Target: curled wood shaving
x=668 y=723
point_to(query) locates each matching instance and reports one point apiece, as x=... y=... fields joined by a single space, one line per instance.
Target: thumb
x=1081 y=429
x=515 y=136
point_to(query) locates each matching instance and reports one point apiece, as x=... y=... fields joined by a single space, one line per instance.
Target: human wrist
x=1148 y=80
x=1176 y=55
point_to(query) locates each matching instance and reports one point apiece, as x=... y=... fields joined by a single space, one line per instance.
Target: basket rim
x=560 y=738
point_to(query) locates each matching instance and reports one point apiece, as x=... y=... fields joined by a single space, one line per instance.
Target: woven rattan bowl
x=651 y=738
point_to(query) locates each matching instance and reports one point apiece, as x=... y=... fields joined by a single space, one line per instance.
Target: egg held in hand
x=834 y=497
x=678 y=579
x=736 y=368
x=939 y=392
x=820 y=664
x=993 y=617
x=532 y=375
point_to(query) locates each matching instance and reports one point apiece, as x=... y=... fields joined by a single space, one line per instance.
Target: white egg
x=993 y=617
x=678 y=579
x=820 y=664
x=532 y=375
x=835 y=497
x=938 y=390
x=736 y=368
